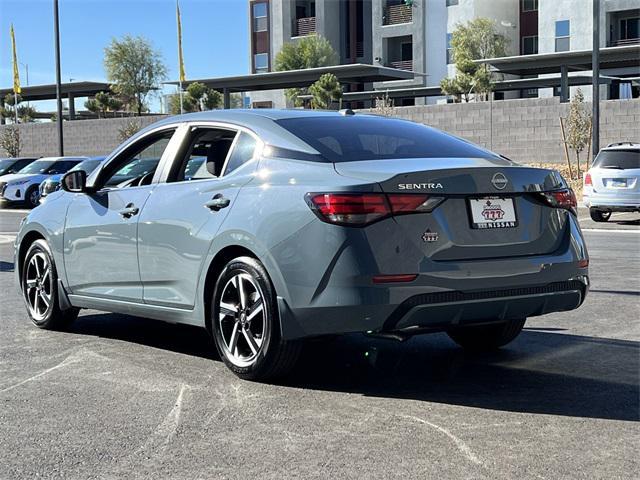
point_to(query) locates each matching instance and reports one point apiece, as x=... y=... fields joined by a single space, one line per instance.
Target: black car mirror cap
x=75 y=182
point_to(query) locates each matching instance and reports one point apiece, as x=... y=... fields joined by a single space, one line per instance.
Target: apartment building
x=415 y=35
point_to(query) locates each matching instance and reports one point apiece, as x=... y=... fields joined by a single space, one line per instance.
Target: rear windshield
x=367 y=137
x=619 y=159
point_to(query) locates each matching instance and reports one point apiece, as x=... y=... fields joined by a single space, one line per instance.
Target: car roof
x=622 y=146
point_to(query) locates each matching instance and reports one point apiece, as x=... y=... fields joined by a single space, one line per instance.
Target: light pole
x=595 y=66
x=56 y=29
x=26 y=71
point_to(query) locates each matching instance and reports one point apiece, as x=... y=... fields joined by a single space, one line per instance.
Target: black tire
x=273 y=356
x=487 y=337
x=52 y=317
x=599 y=215
x=32 y=197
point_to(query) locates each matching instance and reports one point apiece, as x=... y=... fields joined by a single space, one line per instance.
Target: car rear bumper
x=614 y=203
x=412 y=309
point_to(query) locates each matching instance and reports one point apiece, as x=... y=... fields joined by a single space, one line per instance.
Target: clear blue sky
x=215 y=36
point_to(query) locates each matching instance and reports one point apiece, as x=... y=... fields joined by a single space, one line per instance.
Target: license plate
x=617 y=183
x=492 y=212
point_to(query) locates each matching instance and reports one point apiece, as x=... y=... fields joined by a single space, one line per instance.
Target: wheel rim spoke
x=228 y=309
x=251 y=341
x=45 y=299
x=255 y=309
x=233 y=342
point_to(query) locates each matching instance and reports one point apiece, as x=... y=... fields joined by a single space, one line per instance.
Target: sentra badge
x=419 y=186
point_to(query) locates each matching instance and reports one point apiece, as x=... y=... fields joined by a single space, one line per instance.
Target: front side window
x=367 y=137
x=562 y=36
x=260 y=17
x=137 y=165
x=62 y=167
x=261 y=62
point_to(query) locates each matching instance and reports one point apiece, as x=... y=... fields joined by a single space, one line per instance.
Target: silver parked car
x=300 y=224
x=612 y=184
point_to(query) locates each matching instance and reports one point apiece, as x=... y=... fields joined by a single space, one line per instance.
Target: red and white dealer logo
x=492 y=211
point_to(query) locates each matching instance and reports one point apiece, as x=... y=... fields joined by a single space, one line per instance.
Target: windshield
x=39 y=166
x=367 y=137
x=5 y=164
x=619 y=159
x=88 y=166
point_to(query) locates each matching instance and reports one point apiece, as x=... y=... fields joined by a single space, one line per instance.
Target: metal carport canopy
x=48 y=92
x=351 y=73
x=541 y=63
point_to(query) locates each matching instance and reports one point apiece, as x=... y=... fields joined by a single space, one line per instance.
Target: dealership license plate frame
x=481 y=224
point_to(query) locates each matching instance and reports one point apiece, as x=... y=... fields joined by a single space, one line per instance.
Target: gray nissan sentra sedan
x=298 y=224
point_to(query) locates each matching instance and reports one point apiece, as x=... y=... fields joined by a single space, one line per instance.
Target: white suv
x=612 y=184
x=23 y=186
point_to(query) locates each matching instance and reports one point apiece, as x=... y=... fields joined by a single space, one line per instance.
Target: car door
x=186 y=210
x=100 y=239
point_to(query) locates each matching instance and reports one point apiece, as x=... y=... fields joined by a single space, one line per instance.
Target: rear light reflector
x=583 y=263
x=410 y=277
x=562 y=199
x=587 y=179
x=357 y=209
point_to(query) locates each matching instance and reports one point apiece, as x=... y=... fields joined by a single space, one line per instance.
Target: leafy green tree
x=134 y=68
x=26 y=113
x=578 y=126
x=102 y=103
x=473 y=41
x=212 y=100
x=324 y=91
x=188 y=104
x=129 y=129
x=309 y=52
x=197 y=98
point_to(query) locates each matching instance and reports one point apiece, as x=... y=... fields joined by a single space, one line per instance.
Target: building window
x=449 y=49
x=529 y=5
x=629 y=28
x=562 y=36
x=451 y=3
x=261 y=62
x=529 y=45
x=260 y=23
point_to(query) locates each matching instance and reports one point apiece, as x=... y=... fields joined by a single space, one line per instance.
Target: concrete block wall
x=81 y=137
x=525 y=130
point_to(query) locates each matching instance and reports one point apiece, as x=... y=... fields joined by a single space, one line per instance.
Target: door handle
x=129 y=211
x=218 y=202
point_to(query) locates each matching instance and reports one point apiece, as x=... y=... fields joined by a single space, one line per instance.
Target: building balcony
x=396 y=14
x=304 y=26
x=402 y=65
x=626 y=41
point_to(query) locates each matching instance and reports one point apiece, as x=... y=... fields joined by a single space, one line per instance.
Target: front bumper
x=13 y=193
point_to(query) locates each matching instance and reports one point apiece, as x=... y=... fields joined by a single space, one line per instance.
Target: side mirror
x=75 y=182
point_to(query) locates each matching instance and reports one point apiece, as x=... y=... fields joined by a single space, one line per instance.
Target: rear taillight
x=587 y=179
x=562 y=199
x=357 y=209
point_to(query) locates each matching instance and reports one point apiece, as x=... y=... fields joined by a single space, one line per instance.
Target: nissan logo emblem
x=499 y=181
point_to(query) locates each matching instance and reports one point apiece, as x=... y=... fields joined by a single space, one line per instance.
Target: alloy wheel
x=38 y=286
x=243 y=324
x=34 y=196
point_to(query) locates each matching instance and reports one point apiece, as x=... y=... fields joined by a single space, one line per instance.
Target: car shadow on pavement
x=542 y=371
x=6 y=266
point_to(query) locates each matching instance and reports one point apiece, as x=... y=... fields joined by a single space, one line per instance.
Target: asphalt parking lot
x=121 y=396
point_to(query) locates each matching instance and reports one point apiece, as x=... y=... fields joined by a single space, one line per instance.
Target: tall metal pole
x=595 y=66
x=56 y=28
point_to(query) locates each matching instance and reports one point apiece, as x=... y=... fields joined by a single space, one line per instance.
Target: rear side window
x=242 y=152
x=619 y=159
x=364 y=137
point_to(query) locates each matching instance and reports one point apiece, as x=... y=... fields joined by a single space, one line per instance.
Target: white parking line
x=605 y=230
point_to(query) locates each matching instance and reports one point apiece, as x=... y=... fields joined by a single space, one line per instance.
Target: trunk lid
x=490 y=208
